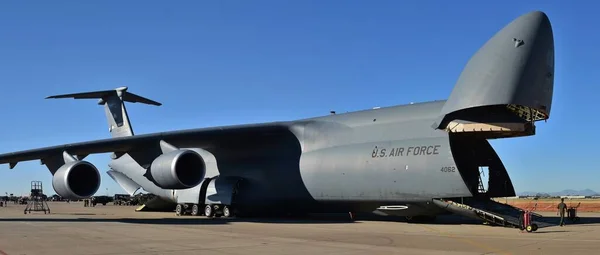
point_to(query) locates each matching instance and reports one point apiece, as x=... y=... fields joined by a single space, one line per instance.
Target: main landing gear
x=218 y=211
x=210 y=210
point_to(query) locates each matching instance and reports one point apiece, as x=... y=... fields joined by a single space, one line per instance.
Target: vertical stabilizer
x=114 y=107
x=116 y=114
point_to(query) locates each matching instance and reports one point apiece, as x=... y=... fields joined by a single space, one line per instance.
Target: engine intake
x=76 y=180
x=178 y=169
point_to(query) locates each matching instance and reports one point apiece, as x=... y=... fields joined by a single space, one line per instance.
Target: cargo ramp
x=490 y=212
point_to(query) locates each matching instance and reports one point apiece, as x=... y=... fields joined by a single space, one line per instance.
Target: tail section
x=114 y=106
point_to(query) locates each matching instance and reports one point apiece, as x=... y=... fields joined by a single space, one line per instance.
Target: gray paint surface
x=125 y=182
x=515 y=66
x=359 y=160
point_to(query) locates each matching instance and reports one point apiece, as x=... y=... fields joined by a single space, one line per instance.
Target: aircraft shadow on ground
x=319 y=219
x=200 y=220
x=185 y=220
x=441 y=220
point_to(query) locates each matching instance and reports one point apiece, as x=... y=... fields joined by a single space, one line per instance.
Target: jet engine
x=178 y=169
x=76 y=180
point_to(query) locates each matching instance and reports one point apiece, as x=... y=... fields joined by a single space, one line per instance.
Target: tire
x=195 y=210
x=534 y=227
x=529 y=228
x=178 y=209
x=208 y=211
x=227 y=212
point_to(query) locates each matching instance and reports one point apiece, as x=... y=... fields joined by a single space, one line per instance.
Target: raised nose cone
x=515 y=69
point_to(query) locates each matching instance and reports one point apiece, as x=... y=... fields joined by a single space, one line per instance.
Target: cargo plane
x=417 y=160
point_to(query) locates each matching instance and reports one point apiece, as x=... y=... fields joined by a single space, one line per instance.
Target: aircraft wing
x=209 y=136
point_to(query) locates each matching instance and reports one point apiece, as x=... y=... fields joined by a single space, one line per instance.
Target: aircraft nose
x=535 y=26
x=514 y=68
x=536 y=84
x=534 y=17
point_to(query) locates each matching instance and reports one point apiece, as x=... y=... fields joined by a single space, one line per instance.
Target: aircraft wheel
x=195 y=210
x=178 y=209
x=226 y=211
x=529 y=228
x=534 y=227
x=208 y=211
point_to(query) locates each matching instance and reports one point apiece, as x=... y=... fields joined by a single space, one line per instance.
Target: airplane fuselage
x=385 y=155
x=363 y=159
x=358 y=161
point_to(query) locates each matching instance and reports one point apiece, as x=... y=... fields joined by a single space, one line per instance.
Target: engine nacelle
x=178 y=169
x=76 y=180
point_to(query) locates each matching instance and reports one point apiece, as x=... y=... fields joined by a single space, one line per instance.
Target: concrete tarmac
x=71 y=228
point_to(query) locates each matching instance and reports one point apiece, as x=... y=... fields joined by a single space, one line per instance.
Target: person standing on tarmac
x=562 y=208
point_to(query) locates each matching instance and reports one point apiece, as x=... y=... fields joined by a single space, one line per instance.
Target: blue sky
x=230 y=62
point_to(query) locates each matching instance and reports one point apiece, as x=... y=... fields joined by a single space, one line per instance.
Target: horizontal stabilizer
x=103 y=95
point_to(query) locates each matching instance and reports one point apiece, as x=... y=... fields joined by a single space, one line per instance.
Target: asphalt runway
x=71 y=228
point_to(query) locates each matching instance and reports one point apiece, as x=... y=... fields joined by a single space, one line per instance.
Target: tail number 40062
x=448 y=169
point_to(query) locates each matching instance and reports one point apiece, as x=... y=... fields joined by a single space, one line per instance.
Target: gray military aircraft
x=415 y=160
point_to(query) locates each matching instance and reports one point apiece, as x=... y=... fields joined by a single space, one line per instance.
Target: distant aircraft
x=416 y=160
